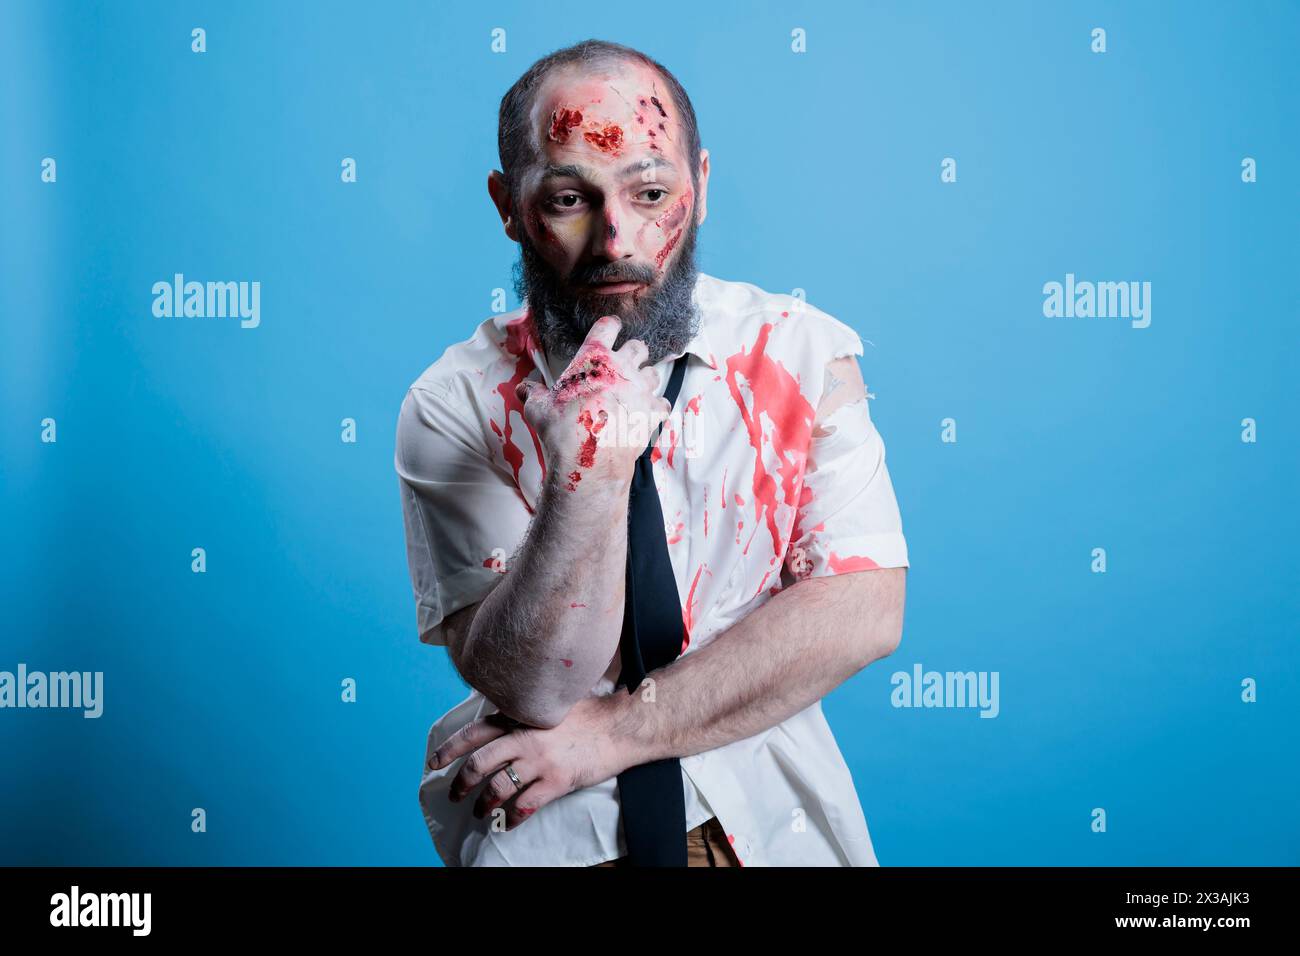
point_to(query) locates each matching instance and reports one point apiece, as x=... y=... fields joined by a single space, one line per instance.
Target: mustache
x=611 y=272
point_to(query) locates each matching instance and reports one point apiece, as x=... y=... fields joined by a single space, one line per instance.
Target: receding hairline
x=596 y=68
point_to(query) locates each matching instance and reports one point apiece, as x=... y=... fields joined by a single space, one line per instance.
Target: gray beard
x=664 y=317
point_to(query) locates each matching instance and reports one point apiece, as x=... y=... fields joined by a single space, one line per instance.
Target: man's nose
x=613 y=233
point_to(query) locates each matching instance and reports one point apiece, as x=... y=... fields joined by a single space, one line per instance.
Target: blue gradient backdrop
x=1118 y=690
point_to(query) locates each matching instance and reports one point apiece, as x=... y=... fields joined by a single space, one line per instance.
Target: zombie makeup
x=592 y=370
x=608 y=154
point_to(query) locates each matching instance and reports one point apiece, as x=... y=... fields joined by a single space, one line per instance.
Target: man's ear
x=701 y=201
x=501 y=199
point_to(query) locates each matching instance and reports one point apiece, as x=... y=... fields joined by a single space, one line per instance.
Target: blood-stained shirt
x=753 y=502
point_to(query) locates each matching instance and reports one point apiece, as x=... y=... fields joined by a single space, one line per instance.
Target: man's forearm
x=547 y=633
x=775 y=662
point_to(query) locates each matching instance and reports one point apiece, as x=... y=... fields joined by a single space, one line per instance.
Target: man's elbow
x=888 y=641
x=886 y=596
x=536 y=706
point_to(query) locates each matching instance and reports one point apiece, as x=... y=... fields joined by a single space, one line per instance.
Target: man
x=517 y=453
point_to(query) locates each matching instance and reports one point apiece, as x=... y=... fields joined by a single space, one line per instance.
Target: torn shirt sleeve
x=848 y=518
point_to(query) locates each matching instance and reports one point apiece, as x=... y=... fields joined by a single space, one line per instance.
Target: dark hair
x=513 y=131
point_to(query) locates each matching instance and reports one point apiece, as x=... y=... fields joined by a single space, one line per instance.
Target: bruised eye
x=564 y=201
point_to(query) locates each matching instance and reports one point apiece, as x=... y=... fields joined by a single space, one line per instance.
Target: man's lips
x=615 y=288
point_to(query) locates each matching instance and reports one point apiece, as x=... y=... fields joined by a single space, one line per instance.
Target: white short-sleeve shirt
x=752 y=503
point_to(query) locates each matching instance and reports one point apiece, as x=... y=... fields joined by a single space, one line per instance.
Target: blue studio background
x=1119 y=690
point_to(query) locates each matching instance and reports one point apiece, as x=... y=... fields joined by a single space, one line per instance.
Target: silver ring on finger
x=514 y=777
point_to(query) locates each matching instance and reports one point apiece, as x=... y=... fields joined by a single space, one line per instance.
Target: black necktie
x=653 y=805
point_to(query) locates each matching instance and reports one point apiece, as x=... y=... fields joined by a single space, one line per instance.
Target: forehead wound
x=608 y=115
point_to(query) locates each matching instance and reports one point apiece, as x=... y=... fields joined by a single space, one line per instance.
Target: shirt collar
x=699 y=345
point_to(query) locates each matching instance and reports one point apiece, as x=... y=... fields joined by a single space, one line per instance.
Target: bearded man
x=647 y=513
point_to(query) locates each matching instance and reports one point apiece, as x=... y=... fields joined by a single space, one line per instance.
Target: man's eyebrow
x=577 y=171
x=643 y=164
x=568 y=171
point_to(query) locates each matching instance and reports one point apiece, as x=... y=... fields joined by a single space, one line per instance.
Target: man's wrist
x=630 y=728
x=563 y=489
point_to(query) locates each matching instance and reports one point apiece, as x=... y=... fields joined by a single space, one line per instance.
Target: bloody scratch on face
x=542 y=229
x=675 y=215
x=662 y=254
